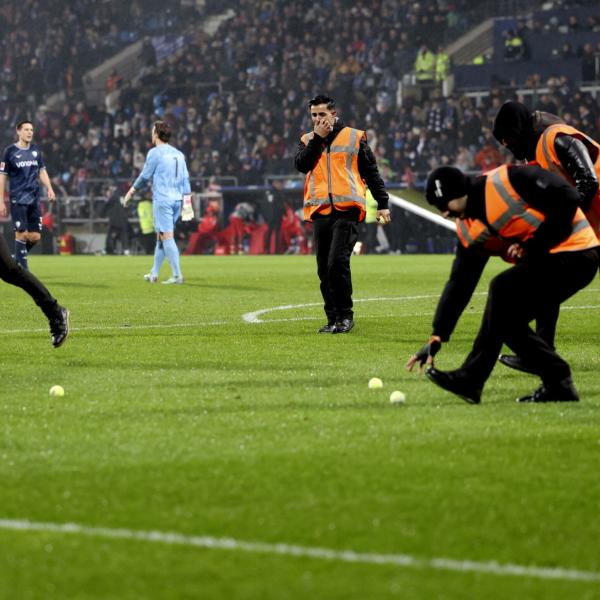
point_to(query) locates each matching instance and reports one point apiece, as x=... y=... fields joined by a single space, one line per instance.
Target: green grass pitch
x=180 y=417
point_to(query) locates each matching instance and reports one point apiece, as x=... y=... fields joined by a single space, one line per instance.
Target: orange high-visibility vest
x=335 y=180
x=545 y=156
x=511 y=219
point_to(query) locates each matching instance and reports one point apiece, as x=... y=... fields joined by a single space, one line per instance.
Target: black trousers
x=117 y=233
x=545 y=323
x=12 y=273
x=515 y=298
x=334 y=241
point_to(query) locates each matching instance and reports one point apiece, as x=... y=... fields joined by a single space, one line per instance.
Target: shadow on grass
x=75 y=284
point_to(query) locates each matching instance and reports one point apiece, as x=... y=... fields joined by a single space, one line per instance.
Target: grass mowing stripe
x=350 y=556
x=259 y=321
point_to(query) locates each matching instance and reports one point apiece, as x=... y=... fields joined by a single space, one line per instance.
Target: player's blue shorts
x=166 y=213
x=26 y=217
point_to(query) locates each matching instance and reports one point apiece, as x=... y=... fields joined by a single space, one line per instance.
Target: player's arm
x=45 y=179
x=3 y=177
x=187 y=188
x=577 y=162
x=3 y=209
x=367 y=167
x=145 y=176
x=466 y=272
x=187 y=211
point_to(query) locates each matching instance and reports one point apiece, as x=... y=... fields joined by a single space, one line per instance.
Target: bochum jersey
x=165 y=166
x=22 y=166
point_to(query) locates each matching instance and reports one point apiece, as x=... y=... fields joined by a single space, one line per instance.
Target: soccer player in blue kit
x=165 y=166
x=23 y=165
x=10 y=271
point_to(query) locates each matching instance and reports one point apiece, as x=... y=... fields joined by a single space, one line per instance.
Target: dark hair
x=322 y=99
x=24 y=122
x=163 y=130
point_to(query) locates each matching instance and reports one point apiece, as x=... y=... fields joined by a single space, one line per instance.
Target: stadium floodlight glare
x=422 y=212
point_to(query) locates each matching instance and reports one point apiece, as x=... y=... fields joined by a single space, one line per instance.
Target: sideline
x=348 y=556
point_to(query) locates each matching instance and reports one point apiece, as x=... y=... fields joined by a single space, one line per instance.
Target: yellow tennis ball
x=57 y=390
x=397 y=397
x=375 y=383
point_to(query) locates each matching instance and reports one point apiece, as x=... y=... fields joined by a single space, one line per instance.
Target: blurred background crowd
x=233 y=79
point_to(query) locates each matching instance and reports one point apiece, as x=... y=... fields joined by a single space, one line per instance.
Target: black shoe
x=517 y=363
x=343 y=326
x=59 y=327
x=563 y=391
x=327 y=328
x=455 y=382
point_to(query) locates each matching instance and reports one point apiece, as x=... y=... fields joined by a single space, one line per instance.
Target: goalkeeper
x=165 y=167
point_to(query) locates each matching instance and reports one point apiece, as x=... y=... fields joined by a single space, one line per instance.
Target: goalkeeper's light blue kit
x=166 y=167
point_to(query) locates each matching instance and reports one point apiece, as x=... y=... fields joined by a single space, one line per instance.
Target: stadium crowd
x=237 y=101
x=46 y=47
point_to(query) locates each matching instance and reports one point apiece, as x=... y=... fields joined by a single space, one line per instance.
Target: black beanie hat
x=513 y=125
x=445 y=184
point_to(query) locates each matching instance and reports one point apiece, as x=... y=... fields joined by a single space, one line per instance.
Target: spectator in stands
x=488 y=157
x=272 y=209
x=514 y=49
x=286 y=65
x=567 y=52
x=148 y=54
x=442 y=64
x=240 y=220
x=546 y=104
x=118 y=224
x=425 y=67
x=588 y=63
x=147 y=237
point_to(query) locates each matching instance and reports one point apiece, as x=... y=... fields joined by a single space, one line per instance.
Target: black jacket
x=549 y=193
x=308 y=155
x=522 y=130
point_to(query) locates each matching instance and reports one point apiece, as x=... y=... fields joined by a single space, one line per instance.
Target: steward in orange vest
x=339 y=167
x=555 y=146
x=545 y=139
x=531 y=217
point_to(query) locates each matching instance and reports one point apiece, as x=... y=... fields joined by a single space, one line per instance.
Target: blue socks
x=159 y=257
x=172 y=253
x=21 y=253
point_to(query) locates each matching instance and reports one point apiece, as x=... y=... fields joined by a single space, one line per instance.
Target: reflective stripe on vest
x=515 y=207
x=335 y=179
x=513 y=219
x=472 y=232
x=545 y=155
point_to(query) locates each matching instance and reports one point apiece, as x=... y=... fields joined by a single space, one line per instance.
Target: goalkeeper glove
x=187 y=211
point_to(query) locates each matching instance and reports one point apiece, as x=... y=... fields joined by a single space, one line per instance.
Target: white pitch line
x=253 y=317
x=266 y=321
x=283 y=549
